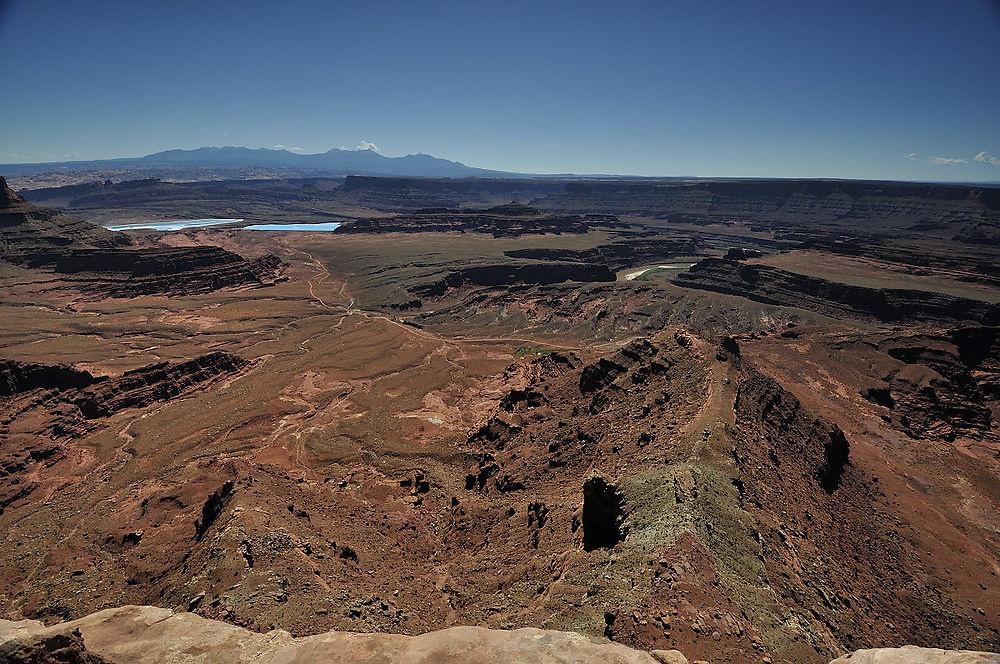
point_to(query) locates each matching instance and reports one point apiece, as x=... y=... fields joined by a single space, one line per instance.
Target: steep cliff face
x=815 y=448
x=774 y=286
x=979 y=349
x=940 y=386
x=934 y=394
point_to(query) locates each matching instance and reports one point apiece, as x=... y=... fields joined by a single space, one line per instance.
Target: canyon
x=482 y=417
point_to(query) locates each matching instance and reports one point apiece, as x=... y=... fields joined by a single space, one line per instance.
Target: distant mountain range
x=222 y=163
x=332 y=162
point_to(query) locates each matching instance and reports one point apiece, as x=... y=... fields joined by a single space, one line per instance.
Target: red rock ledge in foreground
x=146 y=634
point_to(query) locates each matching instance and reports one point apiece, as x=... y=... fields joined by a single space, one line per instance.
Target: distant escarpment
x=406 y=194
x=45 y=407
x=514 y=275
x=620 y=255
x=774 y=286
x=774 y=202
x=510 y=220
x=101 y=264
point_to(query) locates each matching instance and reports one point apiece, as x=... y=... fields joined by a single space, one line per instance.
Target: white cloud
x=911 y=156
x=282 y=147
x=365 y=145
x=985 y=158
x=947 y=161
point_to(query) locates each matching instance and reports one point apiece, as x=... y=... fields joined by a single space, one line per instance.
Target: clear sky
x=866 y=89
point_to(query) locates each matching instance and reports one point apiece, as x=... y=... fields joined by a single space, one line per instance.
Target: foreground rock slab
x=915 y=655
x=138 y=634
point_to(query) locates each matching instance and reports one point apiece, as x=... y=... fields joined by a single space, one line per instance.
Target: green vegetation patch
x=527 y=350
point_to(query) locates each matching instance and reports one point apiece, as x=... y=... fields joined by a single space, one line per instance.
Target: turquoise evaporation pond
x=324 y=226
x=172 y=225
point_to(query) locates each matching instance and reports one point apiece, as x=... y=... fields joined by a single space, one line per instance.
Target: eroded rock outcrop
x=171 y=271
x=741 y=254
x=26 y=229
x=60 y=647
x=797 y=437
x=155 y=383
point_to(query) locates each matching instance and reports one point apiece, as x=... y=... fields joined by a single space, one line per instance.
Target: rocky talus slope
x=145 y=634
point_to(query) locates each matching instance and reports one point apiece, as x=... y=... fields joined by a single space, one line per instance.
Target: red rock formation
x=43 y=409
x=96 y=261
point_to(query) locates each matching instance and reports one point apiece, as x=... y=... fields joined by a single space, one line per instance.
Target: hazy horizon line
x=366 y=146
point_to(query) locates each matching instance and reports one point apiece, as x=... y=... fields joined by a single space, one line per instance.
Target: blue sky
x=809 y=89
